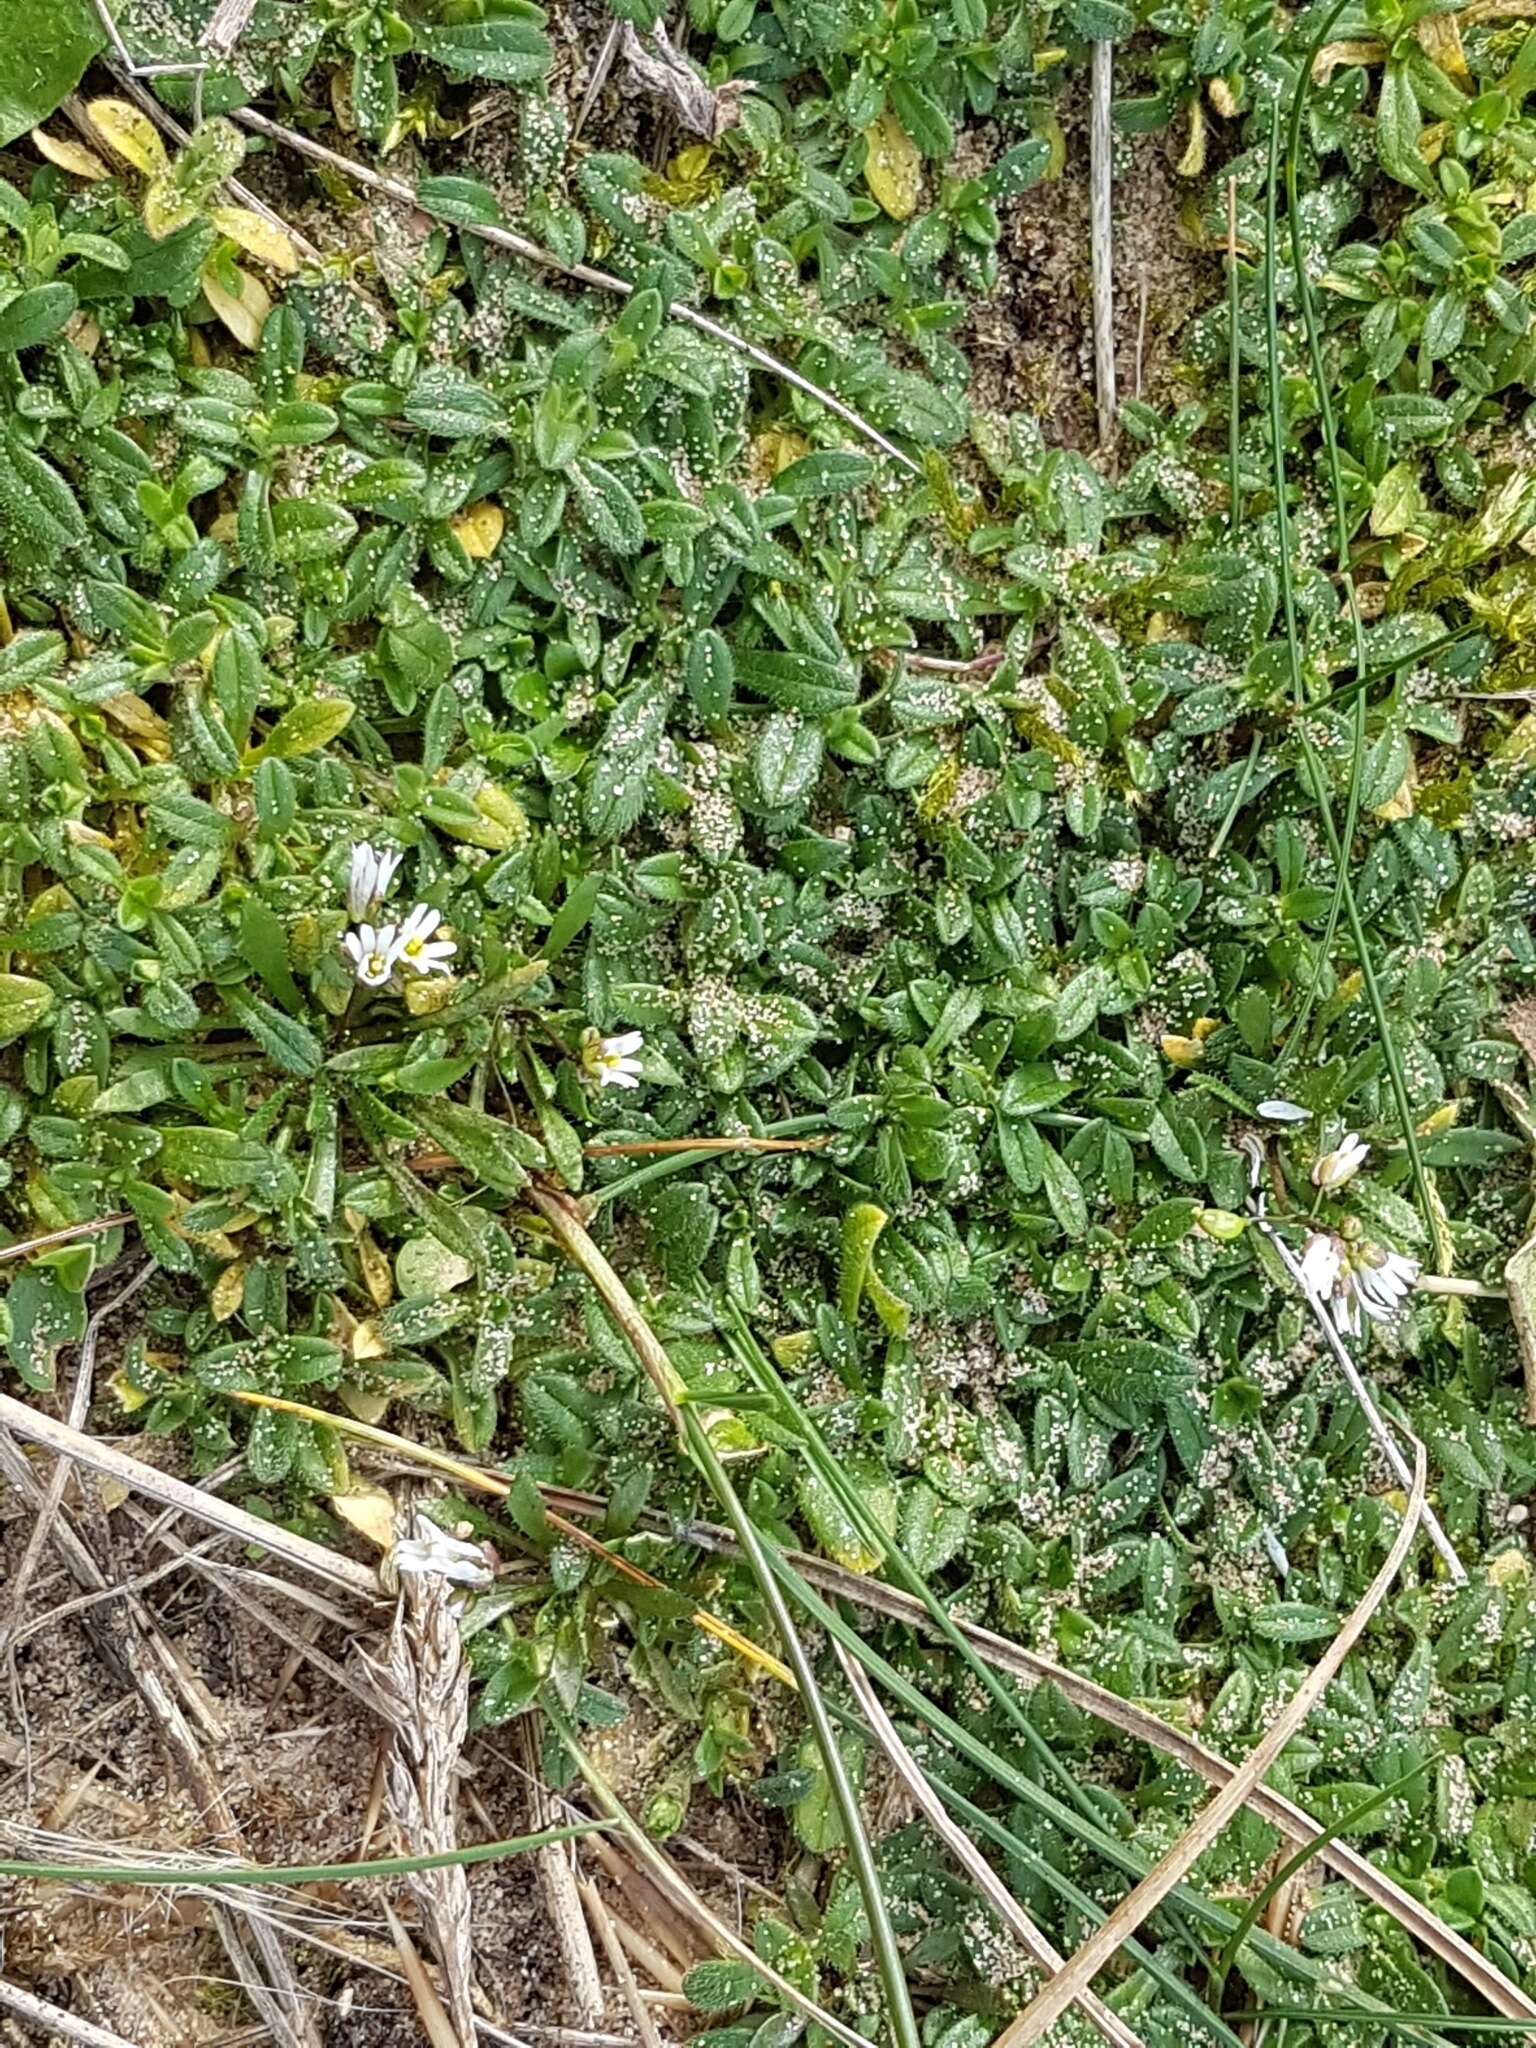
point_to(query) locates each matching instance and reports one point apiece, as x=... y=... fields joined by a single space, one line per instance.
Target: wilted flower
x=610 y=1062
x=1321 y=1260
x=1342 y=1164
x=373 y=952
x=417 y=950
x=1279 y=1111
x=370 y=870
x=432 y=1550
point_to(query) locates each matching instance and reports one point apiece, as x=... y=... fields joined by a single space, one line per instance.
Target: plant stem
x=574 y=1238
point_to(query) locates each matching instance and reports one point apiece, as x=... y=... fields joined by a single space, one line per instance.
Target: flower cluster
x=376 y=951
x=1356 y=1282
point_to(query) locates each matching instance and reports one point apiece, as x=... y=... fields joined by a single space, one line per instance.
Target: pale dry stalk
x=420 y=1686
x=1101 y=1947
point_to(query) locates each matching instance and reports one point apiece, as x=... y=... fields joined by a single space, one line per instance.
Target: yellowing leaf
x=70 y=156
x=377 y=1277
x=1397 y=500
x=167 y=207
x=893 y=170
x=1400 y=803
x=478 y=529
x=366 y=1403
x=1440 y=38
x=1192 y=162
x=131 y=134
x=228 y=1292
x=370 y=1511
x=366 y=1341
x=244 y=317
x=258 y=237
x=1333 y=56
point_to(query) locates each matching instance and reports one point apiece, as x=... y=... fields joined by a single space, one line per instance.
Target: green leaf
x=287 y=1042
x=721 y=1986
x=797 y=682
x=264 y=945
x=37 y=502
x=1470 y=1147
x=1063 y=1192
x=211 y=1158
x=1165 y=1222
x=309 y=530
x=35 y=316
x=24 y=1003
x=44 y=1315
x=45 y=46
x=1115 y=1365
x=305 y=728
x=452 y=407
x=465 y=201
x=788 y=759
x=512 y=50
x=485 y=1146
x=571 y=919
x=1397 y=130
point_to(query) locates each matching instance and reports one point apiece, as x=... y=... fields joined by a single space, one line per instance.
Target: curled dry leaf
x=244 y=317
x=702 y=109
x=70 y=156
x=1334 y=56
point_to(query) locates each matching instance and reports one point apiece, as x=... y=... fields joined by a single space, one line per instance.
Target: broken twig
x=580 y=273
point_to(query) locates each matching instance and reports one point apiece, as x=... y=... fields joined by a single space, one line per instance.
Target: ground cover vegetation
x=460 y=720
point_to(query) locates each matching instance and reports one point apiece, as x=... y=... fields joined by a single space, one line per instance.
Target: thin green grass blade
x=893 y=1974
x=1315 y=777
x=1254 y=1911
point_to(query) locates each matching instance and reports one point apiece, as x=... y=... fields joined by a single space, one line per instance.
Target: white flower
x=433 y=1550
x=1279 y=1111
x=417 y=951
x=610 y=1062
x=1374 y=1285
x=373 y=952
x=370 y=870
x=1321 y=1259
x=1342 y=1164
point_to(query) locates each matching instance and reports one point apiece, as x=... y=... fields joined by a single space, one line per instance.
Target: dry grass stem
x=557 y=1881
x=580 y=273
x=1035 y=1945
x=421 y=1688
x=1105 y=1942
x=54 y=2023
x=79 y=1409
x=618 y=1962
x=98 y=1456
x=1101 y=148
x=435 y=2023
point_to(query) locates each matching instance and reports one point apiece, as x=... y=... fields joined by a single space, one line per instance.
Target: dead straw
x=1036 y=1945
x=1101 y=1947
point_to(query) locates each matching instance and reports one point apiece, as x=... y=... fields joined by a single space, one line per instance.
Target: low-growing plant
x=467 y=735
